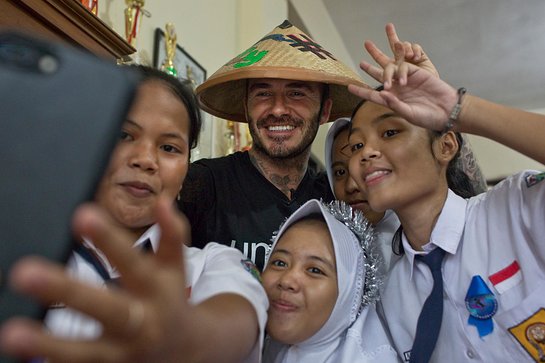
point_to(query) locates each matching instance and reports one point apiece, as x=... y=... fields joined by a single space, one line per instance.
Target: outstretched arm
x=428 y=101
x=520 y=130
x=149 y=320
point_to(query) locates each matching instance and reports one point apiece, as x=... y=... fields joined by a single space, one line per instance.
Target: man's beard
x=279 y=150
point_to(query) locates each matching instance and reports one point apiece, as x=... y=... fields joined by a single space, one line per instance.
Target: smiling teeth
x=375 y=174
x=281 y=128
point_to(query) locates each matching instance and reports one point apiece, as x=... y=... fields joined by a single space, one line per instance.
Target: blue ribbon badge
x=482 y=305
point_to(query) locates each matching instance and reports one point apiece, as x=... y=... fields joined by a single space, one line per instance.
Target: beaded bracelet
x=453 y=117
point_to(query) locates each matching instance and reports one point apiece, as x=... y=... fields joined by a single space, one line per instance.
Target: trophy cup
x=190 y=76
x=133 y=11
x=170 y=49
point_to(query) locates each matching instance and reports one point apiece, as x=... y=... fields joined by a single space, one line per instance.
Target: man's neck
x=284 y=174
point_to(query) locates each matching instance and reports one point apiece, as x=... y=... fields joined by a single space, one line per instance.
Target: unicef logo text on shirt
x=255 y=251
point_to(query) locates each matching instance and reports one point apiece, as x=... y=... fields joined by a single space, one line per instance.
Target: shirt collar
x=447 y=232
x=153 y=234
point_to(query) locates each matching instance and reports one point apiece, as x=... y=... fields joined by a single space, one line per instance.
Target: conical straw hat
x=285 y=53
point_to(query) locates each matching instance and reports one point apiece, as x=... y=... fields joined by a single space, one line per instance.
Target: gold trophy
x=133 y=11
x=170 y=49
x=230 y=136
x=190 y=76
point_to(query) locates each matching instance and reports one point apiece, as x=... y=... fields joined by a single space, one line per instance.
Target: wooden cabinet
x=66 y=20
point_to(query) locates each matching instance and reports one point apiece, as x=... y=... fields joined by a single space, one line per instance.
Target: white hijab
x=353 y=332
x=337 y=126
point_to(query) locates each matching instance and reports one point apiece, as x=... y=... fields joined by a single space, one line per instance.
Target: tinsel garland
x=364 y=232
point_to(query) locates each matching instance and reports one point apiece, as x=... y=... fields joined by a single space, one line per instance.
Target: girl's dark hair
x=362 y=102
x=181 y=88
x=458 y=181
x=315 y=216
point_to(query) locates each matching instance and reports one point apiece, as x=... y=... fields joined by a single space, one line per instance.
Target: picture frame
x=183 y=61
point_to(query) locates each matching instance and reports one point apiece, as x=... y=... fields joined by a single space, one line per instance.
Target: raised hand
x=413 y=52
x=141 y=322
x=414 y=93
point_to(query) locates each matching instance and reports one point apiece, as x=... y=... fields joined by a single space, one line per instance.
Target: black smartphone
x=61 y=111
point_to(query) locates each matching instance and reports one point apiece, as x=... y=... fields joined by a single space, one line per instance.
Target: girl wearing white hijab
x=321 y=281
x=343 y=186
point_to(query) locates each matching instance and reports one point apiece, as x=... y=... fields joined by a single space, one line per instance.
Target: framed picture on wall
x=186 y=66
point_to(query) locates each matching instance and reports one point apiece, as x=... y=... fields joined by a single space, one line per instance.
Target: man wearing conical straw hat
x=284 y=86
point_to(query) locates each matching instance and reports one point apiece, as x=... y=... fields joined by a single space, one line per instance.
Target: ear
x=326 y=111
x=445 y=147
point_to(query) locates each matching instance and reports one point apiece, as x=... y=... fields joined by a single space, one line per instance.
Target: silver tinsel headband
x=364 y=232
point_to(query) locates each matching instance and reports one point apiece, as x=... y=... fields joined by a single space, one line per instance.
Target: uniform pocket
x=524 y=325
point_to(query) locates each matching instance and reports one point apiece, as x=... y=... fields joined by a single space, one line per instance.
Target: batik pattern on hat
x=285 y=53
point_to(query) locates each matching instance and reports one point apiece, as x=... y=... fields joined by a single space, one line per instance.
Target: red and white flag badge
x=505 y=279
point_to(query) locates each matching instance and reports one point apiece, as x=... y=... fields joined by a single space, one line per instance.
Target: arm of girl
x=149 y=320
x=428 y=101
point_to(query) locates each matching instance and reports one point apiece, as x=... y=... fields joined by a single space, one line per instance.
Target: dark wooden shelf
x=65 y=20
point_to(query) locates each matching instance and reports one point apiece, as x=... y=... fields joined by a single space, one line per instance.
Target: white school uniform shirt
x=498 y=235
x=385 y=230
x=210 y=271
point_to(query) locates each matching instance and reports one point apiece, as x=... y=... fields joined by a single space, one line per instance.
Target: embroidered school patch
x=506 y=278
x=251 y=268
x=531 y=335
x=533 y=179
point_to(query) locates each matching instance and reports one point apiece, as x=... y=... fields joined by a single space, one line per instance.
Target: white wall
x=206 y=29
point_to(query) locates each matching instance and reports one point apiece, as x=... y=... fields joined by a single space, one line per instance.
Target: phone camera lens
x=48 y=64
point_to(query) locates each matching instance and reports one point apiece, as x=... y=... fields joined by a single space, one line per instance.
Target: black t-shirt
x=227 y=200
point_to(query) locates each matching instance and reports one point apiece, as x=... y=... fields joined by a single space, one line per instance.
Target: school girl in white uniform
x=179 y=304
x=493 y=272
